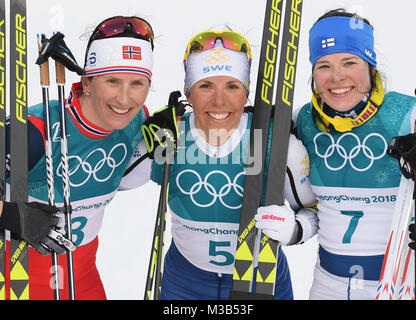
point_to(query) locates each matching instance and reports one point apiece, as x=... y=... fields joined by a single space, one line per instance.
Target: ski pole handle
x=44 y=69
x=60 y=73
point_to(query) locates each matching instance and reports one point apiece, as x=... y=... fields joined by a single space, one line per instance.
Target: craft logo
x=368 y=53
x=92 y=58
x=132 y=53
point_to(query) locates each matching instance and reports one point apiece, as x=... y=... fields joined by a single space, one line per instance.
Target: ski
x=396 y=282
x=243 y=266
x=19 y=267
x=266 y=273
x=264 y=111
x=407 y=284
x=2 y=140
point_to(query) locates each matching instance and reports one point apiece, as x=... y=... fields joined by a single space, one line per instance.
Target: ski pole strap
x=56 y=48
x=161 y=129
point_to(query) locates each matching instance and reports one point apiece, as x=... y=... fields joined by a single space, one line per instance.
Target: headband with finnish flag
x=124 y=55
x=342 y=34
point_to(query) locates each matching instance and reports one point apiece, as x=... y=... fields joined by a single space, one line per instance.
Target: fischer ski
x=243 y=266
x=19 y=260
x=264 y=111
x=2 y=140
x=280 y=138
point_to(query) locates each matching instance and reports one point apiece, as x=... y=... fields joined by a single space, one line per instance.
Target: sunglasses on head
x=122 y=26
x=207 y=40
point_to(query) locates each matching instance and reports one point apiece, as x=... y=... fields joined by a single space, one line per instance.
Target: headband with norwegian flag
x=119 y=55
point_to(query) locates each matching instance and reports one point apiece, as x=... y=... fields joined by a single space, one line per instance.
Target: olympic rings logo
x=335 y=149
x=209 y=189
x=104 y=163
x=217 y=57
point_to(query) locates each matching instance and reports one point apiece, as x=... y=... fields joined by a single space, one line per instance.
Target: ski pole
x=162 y=212
x=60 y=81
x=45 y=83
x=156 y=255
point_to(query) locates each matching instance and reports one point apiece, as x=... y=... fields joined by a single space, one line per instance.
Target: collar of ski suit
x=74 y=109
x=323 y=120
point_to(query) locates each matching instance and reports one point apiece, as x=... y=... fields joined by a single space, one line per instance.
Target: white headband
x=217 y=62
x=119 y=55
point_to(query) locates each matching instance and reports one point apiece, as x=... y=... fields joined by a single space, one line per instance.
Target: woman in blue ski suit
x=207 y=176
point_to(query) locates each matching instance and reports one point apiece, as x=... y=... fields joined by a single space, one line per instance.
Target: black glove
x=412 y=236
x=35 y=223
x=56 y=48
x=161 y=130
x=403 y=149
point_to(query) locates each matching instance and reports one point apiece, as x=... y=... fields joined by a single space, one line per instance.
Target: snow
x=127 y=229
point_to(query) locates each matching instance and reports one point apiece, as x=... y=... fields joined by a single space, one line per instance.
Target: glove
x=56 y=48
x=160 y=131
x=36 y=223
x=412 y=236
x=403 y=149
x=278 y=223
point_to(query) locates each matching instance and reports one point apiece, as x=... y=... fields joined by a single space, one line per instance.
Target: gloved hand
x=161 y=130
x=36 y=223
x=403 y=148
x=278 y=223
x=56 y=48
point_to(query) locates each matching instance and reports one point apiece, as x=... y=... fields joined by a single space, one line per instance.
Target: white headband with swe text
x=217 y=62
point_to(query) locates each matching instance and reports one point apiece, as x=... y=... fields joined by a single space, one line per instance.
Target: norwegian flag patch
x=132 y=53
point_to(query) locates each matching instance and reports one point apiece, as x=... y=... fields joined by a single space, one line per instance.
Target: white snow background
x=127 y=230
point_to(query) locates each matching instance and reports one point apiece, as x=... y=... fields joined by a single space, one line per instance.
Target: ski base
x=240 y=295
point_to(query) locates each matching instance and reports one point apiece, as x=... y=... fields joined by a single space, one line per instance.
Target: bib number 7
x=355 y=217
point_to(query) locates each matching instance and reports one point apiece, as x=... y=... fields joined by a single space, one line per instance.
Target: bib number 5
x=214 y=251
